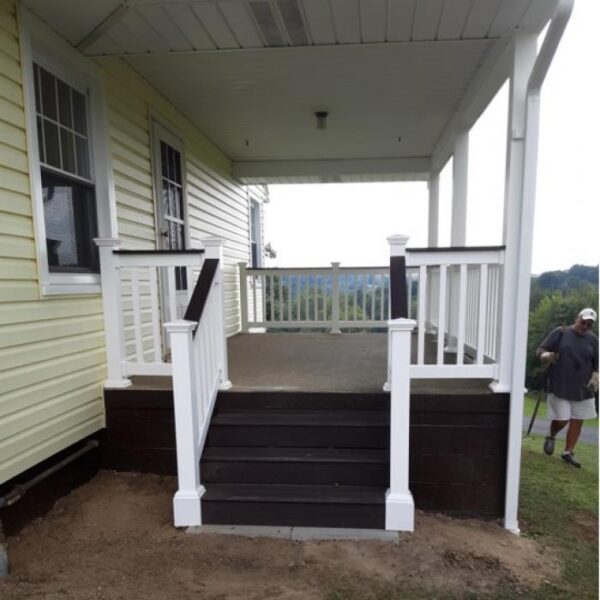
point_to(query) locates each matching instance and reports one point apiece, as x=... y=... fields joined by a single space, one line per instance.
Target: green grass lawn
x=531 y=399
x=559 y=507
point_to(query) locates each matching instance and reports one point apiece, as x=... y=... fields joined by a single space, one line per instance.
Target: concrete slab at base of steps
x=298 y=534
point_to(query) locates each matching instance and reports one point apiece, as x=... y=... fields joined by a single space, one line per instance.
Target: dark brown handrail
x=200 y=295
x=190 y=251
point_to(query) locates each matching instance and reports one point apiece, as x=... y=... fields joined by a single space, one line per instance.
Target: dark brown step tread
x=294 y=494
x=301 y=418
x=301 y=455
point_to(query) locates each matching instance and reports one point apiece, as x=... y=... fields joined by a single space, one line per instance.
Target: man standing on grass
x=572 y=353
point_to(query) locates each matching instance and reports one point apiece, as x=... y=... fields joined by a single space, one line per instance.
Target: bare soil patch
x=113 y=539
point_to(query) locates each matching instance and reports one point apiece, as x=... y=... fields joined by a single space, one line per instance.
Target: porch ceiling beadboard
x=251 y=73
x=51 y=350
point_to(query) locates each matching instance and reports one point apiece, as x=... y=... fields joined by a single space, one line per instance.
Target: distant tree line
x=556 y=299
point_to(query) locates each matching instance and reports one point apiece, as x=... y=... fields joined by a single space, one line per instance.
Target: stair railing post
x=214 y=249
x=113 y=312
x=398 y=290
x=243 y=296
x=186 y=502
x=399 y=504
x=335 y=298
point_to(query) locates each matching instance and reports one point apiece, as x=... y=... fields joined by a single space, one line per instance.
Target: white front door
x=171 y=221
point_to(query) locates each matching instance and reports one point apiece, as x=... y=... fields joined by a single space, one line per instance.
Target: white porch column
x=460 y=173
x=523 y=58
x=399 y=504
x=243 y=296
x=214 y=249
x=113 y=312
x=186 y=502
x=433 y=224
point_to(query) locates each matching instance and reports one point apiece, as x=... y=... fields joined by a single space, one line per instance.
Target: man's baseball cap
x=587 y=314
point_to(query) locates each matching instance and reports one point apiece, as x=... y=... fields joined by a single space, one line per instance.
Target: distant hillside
x=577 y=278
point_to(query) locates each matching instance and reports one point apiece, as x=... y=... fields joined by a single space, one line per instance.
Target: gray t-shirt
x=578 y=359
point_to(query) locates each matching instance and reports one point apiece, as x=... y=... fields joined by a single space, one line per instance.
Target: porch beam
x=482 y=89
x=328 y=170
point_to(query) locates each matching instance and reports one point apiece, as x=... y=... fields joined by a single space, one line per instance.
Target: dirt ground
x=113 y=539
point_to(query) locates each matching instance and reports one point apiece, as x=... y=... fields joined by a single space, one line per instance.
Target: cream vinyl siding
x=217 y=204
x=52 y=349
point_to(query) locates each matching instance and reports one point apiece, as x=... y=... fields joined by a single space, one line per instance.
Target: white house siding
x=51 y=349
x=217 y=204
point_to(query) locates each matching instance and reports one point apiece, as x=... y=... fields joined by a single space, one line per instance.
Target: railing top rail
x=201 y=290
x=153 y=252
x=456 y=249
x=442 y=256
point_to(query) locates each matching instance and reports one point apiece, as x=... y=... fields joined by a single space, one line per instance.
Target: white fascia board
x=407 y=169
x=481 y=91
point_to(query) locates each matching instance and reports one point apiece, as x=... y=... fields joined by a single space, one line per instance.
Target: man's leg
x=573 y=434
x=557 y=426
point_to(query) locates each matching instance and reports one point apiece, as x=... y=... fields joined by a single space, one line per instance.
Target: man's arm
x=547 y=352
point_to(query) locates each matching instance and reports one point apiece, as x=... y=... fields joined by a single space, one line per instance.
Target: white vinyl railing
x=457 y=310
x=199 y=354
x=140 y=291
x=308 y=298
x=453 y=294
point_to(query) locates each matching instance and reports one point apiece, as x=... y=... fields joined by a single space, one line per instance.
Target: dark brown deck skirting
x=41 y=498
x=458 y=440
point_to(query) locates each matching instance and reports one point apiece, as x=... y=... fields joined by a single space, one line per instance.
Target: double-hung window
x=67 y=178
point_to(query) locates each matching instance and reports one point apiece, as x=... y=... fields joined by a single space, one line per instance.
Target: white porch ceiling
x=251 y=73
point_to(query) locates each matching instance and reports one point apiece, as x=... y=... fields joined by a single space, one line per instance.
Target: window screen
x=254 y=235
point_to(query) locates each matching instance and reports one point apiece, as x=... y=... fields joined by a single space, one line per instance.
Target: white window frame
x=42 y=46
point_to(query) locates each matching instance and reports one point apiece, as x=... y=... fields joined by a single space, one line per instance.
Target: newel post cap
x=398 y=239
x=180 y=326
x=104 y=242
x=401 y=324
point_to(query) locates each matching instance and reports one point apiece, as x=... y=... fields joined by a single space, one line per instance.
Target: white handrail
x=199 y=371
x=323 y=297
x=133 y=282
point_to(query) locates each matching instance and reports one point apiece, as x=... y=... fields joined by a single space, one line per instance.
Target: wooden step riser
x=299 y=437
x=301 y=401
x=295 y=473
x=285 y=514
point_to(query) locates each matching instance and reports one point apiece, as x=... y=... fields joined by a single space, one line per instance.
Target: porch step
x=297 y=458
x=301 y=428
x=294 y=505
x=325 y=466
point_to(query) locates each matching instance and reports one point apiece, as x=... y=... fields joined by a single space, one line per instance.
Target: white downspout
x=531 y=134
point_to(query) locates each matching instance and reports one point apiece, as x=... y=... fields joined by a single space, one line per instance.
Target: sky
x=313 y=225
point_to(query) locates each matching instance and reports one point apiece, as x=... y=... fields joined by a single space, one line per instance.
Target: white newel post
x=243 y=296
x=186 y=502
x=335 y=299
x=113 y=313
x=214 y=249
x=397 y=244
x=399 y=504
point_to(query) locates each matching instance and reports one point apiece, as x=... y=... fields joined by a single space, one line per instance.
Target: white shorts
x=565 y=410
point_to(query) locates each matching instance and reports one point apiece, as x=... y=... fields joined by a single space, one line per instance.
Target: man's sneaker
x=549 y=445
x=569 y=457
